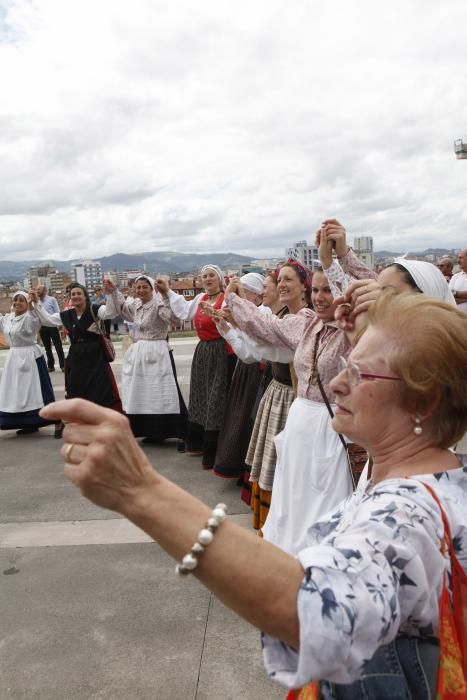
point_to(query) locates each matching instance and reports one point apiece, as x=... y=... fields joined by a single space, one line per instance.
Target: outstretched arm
x=267 y=329
x=107 y=465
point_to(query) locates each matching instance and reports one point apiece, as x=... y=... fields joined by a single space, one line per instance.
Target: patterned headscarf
x=303 y=273
x=217 y=270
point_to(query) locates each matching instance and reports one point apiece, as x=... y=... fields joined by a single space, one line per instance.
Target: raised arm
x=336 y=605
x=46 y=319
x=31 y=322
x=164 y=310
x=182 y=309
x=110 y=468
x=267 y=329
x=249 y=351
x=355 y=267
x=115 y=305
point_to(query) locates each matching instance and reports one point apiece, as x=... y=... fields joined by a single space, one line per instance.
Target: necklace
x=216 y=294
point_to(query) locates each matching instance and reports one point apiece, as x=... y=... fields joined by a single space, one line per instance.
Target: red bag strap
x=458 y=582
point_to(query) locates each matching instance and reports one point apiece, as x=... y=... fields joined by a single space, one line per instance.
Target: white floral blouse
x=373 y=568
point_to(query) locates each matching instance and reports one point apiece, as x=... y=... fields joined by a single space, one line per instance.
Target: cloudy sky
x=229 y=126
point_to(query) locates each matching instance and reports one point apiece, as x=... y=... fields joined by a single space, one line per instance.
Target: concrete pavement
x=91 y=608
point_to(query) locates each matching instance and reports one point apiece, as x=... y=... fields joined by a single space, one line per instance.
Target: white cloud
x=229 y=126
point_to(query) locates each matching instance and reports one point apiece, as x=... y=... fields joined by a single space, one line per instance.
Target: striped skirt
x=209 y=384
x=270 y=420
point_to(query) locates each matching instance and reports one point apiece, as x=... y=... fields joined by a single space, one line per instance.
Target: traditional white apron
x=148 y=382
x=311 y=478
x=20 y=387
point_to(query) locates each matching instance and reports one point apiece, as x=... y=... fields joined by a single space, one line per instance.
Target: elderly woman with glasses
x=365 y=608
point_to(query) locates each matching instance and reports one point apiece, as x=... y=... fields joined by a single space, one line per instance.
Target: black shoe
x=51 y=369
x=58 y=430
x=26 y=431
x=153 y=441
x=181 y=447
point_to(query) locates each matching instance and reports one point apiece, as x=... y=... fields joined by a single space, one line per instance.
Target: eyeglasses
x=356 y=377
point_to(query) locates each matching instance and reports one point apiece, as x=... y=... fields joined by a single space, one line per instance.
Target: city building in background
x=460 y=149
x=363 y=249
x=40 y=274
x=87 y=272
x=304 y=253
x=58 y=284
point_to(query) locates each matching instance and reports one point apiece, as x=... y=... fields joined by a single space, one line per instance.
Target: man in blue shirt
x=51 y=335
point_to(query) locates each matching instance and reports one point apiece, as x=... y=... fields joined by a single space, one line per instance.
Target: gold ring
x=68 y=451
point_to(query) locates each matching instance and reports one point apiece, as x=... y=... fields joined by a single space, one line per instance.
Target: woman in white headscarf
x=403 y=276
x=151 y=396
x=25 y=385
x=238 y=422
x=212 y=366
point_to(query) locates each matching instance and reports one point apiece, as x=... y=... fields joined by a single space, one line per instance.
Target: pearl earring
x=418 y=430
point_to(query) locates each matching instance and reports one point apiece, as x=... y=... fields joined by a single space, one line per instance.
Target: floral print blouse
x=298 y=333
x=373 y=568
x=343 y=271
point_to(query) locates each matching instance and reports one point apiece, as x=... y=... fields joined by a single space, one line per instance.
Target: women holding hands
x=151 y=396
x=364 y=609
x=311 y=474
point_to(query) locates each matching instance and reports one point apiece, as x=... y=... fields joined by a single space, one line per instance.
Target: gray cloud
x=215 y=127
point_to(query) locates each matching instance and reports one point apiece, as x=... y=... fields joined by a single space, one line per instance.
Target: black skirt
x=89 y=376
x=238 y=421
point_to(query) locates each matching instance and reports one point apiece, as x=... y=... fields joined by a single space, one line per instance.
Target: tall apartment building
x=39 y=274
x=87 y=272
x=304 y=253
x=58 y=284
x=363 y=249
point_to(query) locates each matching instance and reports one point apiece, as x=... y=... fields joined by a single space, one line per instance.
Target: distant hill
x=419 y=253
x=155 y=261
x=169 y=261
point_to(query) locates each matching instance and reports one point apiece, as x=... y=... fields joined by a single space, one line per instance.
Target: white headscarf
x=19 y=293
x=217 y=270
x=146 y=278
x=428 y=279
x=22 y=294
x=253 y=281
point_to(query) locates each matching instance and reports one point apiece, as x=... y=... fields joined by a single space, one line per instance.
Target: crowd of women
x=290 y=371
x=359 y=592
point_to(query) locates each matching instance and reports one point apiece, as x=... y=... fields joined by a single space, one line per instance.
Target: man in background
x=446 y=265
x=458 y=283
x=51 y=335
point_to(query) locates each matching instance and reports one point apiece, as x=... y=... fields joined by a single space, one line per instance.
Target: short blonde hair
x=429 y=353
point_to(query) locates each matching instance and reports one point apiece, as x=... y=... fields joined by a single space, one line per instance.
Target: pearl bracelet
x=205 y=537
